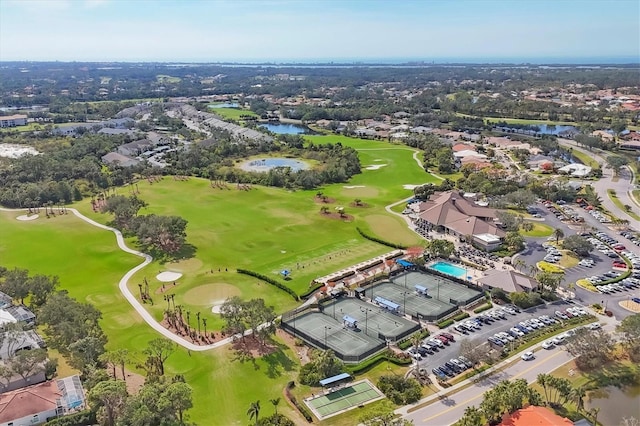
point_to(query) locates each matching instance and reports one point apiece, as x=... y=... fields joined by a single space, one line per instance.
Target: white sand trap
x=354 y=186
x=216 y=306
x=378 y=159
x=410 y=186
x=283 y=251
x=375 y=166
x=168 y=276
x=27 y=217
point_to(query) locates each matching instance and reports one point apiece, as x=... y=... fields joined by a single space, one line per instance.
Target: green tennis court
x=344 y=399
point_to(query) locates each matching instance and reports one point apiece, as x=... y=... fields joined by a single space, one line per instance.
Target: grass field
x=523 y=121
x=539 y=230
x=28 y=128
x=585 y=159
x=615 y=200
x=232 y=113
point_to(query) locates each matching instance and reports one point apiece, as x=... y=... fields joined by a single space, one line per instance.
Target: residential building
x=508 y=281
x=116 y=158
x=534 y=416
x=13 y=120
x=35 y=404
x=576 y=170
x=487 y=242
x=15 y=341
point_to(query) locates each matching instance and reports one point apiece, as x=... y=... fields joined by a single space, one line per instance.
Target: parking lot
x=485 y=331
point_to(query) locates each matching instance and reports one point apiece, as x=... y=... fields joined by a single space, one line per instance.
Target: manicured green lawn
x=28 y=128
x=539 y=230
x=585 y=159
x=615 y=200
x=232 y=113
x=264 y=229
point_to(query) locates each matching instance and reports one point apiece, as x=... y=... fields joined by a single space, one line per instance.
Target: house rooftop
x=535 y=416
x=509 y=281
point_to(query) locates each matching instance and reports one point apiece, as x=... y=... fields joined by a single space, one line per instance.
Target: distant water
x=225 y=105
x=544 y=129
x=286 y=129
x=615 y=404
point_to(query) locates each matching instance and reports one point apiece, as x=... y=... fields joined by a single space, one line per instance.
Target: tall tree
x=254 y=411
x=180 y=396
x=158 y=351
x=28 y=362
x=558 y=234
x=110 y=397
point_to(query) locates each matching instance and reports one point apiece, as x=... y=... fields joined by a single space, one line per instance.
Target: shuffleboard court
x=344 y=399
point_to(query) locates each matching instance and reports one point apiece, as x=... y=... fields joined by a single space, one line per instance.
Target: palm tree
x=559 y=234
x=204 y=325
x=542 y=380
x=198 y=317
x=275 y=403
x=594 y=413
x=518 y=264
x=578 y=394
x=533 y=270
x=254 y=411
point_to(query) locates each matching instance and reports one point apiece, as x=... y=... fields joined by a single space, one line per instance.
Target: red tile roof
x=535 y=416
x=28 y=401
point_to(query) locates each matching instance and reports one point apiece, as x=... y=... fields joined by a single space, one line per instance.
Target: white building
x=13 y=120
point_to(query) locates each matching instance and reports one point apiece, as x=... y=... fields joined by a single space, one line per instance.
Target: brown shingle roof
x=508 y=281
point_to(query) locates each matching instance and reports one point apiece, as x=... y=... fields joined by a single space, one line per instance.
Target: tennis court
x=323 y=331
x=344 y=399
x=428 y=308
x=440 y=288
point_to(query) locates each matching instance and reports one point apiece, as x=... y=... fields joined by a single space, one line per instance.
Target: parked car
x=594 y=326
x=448 y=336
x=548 y=344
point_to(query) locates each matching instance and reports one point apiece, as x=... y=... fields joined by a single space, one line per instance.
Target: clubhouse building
x=454 y=214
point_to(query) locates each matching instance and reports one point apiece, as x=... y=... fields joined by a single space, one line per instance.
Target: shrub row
x=461 y=316
x=311 y=291
x=270 y=281
x=301 y=408
x=483 y=308
x=380 y=241
x=364 y=366
x=445 y=323
x=408 y=342
x=82 y=418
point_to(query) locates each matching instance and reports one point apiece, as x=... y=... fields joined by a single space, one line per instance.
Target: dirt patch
x=630 y=305
x=359 y=206
x=337 y=216
x=252 y=347
x=302 y=352
x=325 y=200
x=133 y=380
x=192 y=335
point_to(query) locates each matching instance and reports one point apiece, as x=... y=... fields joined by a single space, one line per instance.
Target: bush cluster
x=445 y=323
x=270 y=281
x=461 y=316
x=483 y=308
x=82 y=418
x=380 y=241
x=399 y=390
x=301 y=408
x=366 y=365
x=408 y=342
x=311 y=291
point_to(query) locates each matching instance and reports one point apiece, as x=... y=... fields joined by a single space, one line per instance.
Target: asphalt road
x=450 y=409
x=445 y=411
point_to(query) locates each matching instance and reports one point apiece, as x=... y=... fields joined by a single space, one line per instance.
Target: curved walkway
x=122 y=285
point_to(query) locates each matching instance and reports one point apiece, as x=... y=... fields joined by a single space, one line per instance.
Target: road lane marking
x=457 y=406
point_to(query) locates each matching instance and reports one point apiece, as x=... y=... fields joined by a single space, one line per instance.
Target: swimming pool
x=449 y=269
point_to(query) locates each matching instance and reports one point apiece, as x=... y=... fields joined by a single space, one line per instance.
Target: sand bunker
x=168 y=276
x=375 y=166
x=216 y=308
x=28 y=217
x=408 y=186
x=354 y=186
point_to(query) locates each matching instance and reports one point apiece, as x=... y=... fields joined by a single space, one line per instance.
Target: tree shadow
x=278 y=361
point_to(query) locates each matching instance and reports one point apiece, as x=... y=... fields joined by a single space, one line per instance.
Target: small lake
x=266 y=164
x=225 y=105
x=615 y=404
x=286 y=129
x=544 y=129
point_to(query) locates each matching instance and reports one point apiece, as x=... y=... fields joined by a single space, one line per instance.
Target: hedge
x=311 y=291
x=270 y=281
x=461 y=316
x=380 y=241
x=445 y=323
x=408 y=342
x=303 y=410
x=483 y=308
x=368 y=364
x=82 y=418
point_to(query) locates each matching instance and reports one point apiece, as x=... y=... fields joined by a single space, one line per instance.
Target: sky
x=559 y=31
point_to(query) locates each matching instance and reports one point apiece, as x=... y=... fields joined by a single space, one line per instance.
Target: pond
x=225 y=105
x=544 y=129
x=263 y=165
x=286 y=129
x=615 y=404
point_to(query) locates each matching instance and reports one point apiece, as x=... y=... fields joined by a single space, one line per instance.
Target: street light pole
x=326 y=327
x=404 y=307
x=366 y=319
